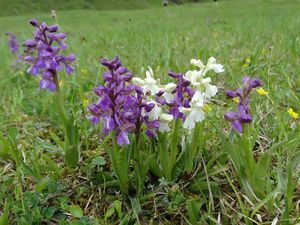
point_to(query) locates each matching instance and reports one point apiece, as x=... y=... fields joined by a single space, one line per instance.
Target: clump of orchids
x=129 y=107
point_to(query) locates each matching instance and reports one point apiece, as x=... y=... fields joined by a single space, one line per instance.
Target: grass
x=39 y=189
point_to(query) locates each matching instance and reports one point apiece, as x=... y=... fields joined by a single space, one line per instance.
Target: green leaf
x=5 y=148
x=193 y=210
x=118 y=207
x=4 y=216
x=42 y=184
x=109 y=213
x=98 y=161
x=72 y=153
x=76 y=211
x=52 y=149
x=57 y=140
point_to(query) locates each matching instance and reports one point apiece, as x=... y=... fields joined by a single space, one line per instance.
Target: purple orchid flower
x=182 y=95
x=12 y=43
x=242 y=114
x=43 y=54
x=120 y=104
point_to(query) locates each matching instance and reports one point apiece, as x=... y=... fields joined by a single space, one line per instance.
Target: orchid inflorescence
x=43 y=54
x=242 y=114
x=12 y=43
x=121 y=104
x=126 y=103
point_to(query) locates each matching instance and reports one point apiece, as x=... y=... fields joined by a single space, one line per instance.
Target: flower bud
x=53 y=28
x=34 y=22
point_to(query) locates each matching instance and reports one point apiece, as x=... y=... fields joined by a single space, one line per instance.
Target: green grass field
x=257 y=38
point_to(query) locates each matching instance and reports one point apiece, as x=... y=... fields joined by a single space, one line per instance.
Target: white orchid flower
x=201 y=84
x=211 y=65
x=194 y=76
x=198 y=97
x=197 y=62
x=157 y=114
x=168 y=89
x=149 y=84
x=164 y=120
x=194 y=114
x=209 y=90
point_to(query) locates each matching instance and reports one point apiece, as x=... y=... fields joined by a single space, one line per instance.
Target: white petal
x=211 y=60
x=197 y=62
x=197 y=115
x=184 y=110
x=166 y=117
x=217 y=68
x=155 y=112
x=138 y=81
x=149 y=73
x=169 y=87
x=210 y=91
x=164 y=127
x=189 y=123
x=206 y=80
x=198 y=97
x=168 y=97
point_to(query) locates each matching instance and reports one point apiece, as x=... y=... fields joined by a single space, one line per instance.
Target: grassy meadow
x=256 y=38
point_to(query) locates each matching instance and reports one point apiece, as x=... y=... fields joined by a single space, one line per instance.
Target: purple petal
x=105 y=62
x=122 y=138
x=53 y=28
x=230 y=116
x=34 y=22
x=230 y=94
x=237 y=126
x=255 y=83
x=121 y=70
x=149 y=107
x=69 y=69
x=246 y=80
x=110 y=123
x=47 y=84
x=107 y=76
x=30 y=43
x=62 y=45
x=150 y=133
x=69 y=58
x=94 y=110
x=243 y=113
x=100 y=90
x=94 y=120
x=173 y=74
x=59 y=37
x=33 y=70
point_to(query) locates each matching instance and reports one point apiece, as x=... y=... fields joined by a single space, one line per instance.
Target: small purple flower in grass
x=242 y=113
x=120 y=104
x=43 y=54
x=12 y=43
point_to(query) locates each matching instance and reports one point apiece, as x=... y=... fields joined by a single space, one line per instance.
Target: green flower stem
x=249 y=160
x=119 y=164
x=174 y=142
x=70 y=129
x=194 y=148
x=164 y=156
x=60 y=102
x=137 y=161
